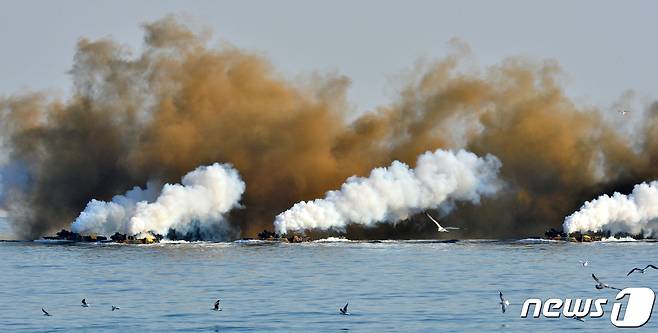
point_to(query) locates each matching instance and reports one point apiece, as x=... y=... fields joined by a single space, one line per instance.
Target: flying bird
x=84 y=303
x=115 y=308
x=45 y=313
x=585 y=263
x=641 y=270
x=343 y=310
x=578 y=318
x=503 y=302
x=601 y=285
x=440 y=228
x=216 y=306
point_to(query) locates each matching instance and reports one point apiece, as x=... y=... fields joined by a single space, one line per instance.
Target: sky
x=606 y=48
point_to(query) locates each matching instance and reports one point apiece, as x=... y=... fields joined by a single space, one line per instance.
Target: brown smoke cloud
x=555 y=155
x=181 y=104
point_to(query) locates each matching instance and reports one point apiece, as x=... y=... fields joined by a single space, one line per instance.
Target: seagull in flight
x=623 y=112
x=45 y=313
x=84 y=303
x=440 y=228
x=577 y=318
x=600 y=285
x=641 y=270
x=115 y=308
x=585 y=263
x=503 y=302
x=216 y=306
x=343 y=310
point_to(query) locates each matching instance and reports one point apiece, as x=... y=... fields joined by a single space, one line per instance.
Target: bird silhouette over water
x=601 y=285
x=216 y=306
x=45 y=313
x=84 y=303
x=574 y=317
x=641 y=270
x=503 y=302
x=115 y=308
x=343 y=310
x=438 y=226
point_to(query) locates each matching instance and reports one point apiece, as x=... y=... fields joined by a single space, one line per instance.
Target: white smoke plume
x=106 y=218
x=202 y=199
x=634 y=213
x=394 y=193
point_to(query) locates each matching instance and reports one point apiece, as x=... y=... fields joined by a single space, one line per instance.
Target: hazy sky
x=605 y=47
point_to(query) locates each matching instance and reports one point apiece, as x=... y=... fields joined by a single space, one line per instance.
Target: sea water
x=391 y=286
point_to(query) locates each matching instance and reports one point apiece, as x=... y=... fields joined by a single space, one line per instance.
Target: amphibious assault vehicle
x=65 y=236
x=267 y=235
x=589 y=236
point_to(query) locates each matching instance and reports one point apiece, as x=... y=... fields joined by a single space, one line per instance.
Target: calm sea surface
x=391 y=286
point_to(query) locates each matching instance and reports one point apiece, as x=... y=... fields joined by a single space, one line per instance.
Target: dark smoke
x=180 y=104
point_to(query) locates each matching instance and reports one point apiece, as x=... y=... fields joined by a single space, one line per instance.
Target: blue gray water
x=391 y=286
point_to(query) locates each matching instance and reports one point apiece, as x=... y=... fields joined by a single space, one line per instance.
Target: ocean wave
x=333 y=240
x=622 y=239
x=250 y=241
x=536 y=241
